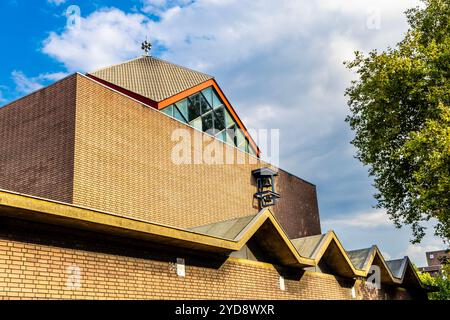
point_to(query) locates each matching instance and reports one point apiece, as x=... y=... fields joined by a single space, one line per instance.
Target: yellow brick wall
x=34 y=265
x=123 y=165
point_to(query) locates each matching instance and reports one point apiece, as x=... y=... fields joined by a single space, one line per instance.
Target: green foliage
x=441 y=282
x=400 y=112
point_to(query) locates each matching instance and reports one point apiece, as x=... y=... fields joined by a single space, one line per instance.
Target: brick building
x=435 y=260
x=102 y=198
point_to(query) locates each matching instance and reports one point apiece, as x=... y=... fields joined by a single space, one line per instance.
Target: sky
x=280 y=63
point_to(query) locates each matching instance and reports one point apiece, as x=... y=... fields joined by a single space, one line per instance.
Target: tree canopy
x=441 y=282
x=400 y=112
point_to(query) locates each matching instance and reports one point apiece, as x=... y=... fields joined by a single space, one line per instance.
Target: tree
x=441 y=282
x=400 y=112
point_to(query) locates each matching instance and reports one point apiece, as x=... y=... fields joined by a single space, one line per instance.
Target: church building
x=141 y=181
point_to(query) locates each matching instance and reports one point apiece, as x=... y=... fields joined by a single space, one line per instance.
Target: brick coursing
x=79 y=142
x=297 y=209
x=37 y=142
x=367 y=292
x=123 y=164
x=37 y=263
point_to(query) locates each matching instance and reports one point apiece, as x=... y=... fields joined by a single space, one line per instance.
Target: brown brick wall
x=34 y=263
x=297 y=209
x=36 y=142
x=123 y=164
x=366 y=292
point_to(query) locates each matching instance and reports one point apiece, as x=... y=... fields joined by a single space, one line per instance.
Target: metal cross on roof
x=146 y=46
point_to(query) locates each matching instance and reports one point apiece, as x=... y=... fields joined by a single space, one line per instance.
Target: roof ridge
x=114 y=65
x=222 y=221
x=151 y=77
x=180 y=66
x=150 y=57
x=319 y=244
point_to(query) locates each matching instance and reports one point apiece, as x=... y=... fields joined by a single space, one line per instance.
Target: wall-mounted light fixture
x=266 y=193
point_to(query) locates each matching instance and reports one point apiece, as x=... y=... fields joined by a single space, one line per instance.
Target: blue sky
x=279 y=62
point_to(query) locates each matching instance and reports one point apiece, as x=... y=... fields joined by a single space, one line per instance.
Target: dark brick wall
x=36 y=142
x=386 y=292
x=297 y=209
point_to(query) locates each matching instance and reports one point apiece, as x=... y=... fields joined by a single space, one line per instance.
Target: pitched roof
x=265 y=229
x=406 y=274
x=151 y=77
x=228 y=229
x=397 y=267
x=327 y=248
x=359 y=257
x=308 y=246
x=363 y=259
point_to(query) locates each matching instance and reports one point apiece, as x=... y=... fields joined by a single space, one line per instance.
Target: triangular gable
x=397 y=267
x=326 y=249
x=364 y=259
x=159 y=84
x=262 y=228
x=405 y=273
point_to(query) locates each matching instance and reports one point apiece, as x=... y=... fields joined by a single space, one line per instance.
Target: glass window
x=244 y=146
x=168 y=110
x=197 y=123
x=208 y=92
x=177 y=115
x=231 y=132
x=194 y=110
x=218 y=123
x=226 y=136
x=216 y=102
x=220 y=115
x=205 y=111
x=225 y=117
x=228 y=119
x=204 y=104
x=251 y=150
x=240 y=138
x=183 y=107
x=222 y=136
x=230 y=137
x=208 y=122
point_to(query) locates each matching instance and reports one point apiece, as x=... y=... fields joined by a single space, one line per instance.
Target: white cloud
x=362 y=230
x=417 y=252
x=364 y=220
x=56 y=2
x=27 y=85
x=103 y=38
x=156 y=7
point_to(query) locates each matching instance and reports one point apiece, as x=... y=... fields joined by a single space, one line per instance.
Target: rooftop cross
x=146 y=46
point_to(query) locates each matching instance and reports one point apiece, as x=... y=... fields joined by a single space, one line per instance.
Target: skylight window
x=206 y=111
